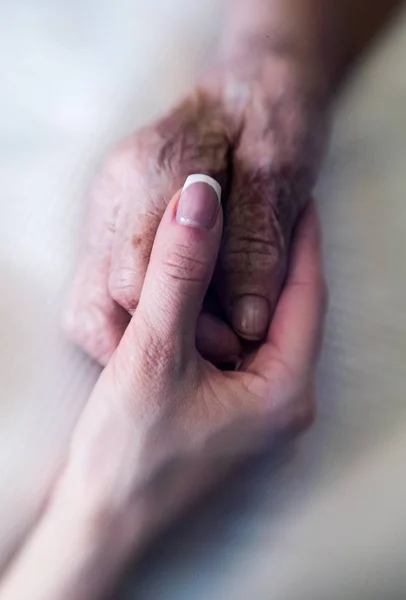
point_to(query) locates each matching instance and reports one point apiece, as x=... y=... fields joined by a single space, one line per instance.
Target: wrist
x=74 y=553
x=123 y=478
x=103 y=493
x=299 y=31
x=301 y=66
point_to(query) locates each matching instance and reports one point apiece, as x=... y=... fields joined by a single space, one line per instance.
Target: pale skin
x=163 y=423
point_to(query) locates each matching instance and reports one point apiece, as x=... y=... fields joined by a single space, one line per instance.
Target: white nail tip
x=198 y=178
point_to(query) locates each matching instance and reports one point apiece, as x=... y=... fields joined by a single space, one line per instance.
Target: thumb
x=258 y=223
x=181 y=265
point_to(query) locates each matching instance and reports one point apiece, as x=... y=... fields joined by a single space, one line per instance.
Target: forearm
x=327 y=34
x=68 y=556
x=111 y=498
x=95 y=519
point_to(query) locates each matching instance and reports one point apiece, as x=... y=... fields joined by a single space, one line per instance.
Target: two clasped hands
x=203 y=250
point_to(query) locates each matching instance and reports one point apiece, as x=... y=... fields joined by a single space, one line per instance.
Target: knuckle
x=305 y=415
x=122 y=159
x=181 y=263
x=188 y=139
x=261 y=216
x=192 y=139
x=249 y=247
x=288 y=405
x=129 y=162
x=70 y=326
x=251 y=225
x=125 y=287
x=89 y=328
x=254 y=253
x=272 y=195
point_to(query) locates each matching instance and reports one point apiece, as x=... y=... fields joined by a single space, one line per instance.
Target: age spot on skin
x=136 y=241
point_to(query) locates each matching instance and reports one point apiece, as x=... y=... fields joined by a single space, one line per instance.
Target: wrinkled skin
x=258 y=126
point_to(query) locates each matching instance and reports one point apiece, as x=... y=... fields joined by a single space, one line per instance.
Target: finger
x=294 y=336
x=216 y=341
x=259 y=217
x=188 y=140
x=180 y=269
x=92 y=319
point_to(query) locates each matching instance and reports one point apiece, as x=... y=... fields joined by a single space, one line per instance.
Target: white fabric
x=327 y=521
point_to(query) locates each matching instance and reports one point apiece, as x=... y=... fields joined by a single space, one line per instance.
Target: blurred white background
x=325 y=521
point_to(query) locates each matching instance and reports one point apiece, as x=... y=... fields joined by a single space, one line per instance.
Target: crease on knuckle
x=90 y=329
x=272 y=196
x=254 y=244
x=252 y=255
x=125 y=288
x=129 y=163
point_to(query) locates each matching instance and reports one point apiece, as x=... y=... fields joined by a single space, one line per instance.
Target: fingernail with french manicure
x=251 y=316
x=199 y=202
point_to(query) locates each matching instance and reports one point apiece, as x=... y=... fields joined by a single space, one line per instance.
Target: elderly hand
x=256 y=123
